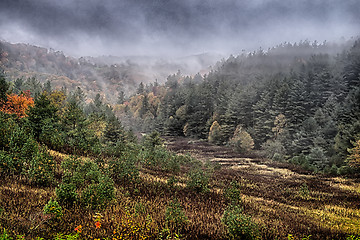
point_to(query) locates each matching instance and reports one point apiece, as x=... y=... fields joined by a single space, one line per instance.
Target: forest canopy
x=297 y=103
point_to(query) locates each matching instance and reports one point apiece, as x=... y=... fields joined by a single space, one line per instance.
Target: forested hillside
x=108 y=76
x=295 y=102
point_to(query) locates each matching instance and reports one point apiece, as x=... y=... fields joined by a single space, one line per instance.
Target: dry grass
x=281 y=199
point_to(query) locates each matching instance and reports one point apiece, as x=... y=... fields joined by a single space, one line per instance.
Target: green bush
x=239 y=226
x=98 y=195
x=352 y=237
x=274 y=150
x=53 y=208
x=171 y=182
x=7 y=163
x=153 y=140
x=7 y=125
x=174 y=216
x=161 y=158
x=304 y=191
x=198 y=181
x=71 y=164
x=5 y=236
x=85 y=183
x=344 y=170
x=232 y=193
x=42 y=168
x=51 y=135
x=66 y=193
x=124 y=169
x=22 y=147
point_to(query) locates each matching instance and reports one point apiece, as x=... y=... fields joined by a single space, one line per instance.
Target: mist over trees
x=294 y=102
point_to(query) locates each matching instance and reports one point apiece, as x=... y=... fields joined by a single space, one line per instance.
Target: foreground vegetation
x=228 y=196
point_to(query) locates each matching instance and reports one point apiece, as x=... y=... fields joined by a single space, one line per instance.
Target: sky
x=174 y=27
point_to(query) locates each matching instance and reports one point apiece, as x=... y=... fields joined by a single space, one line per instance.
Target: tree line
x=294 y=102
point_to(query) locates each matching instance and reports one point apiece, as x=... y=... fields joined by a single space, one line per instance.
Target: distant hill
x=107 y=75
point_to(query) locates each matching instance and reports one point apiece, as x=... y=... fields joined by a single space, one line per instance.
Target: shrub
x=317 y=158
x=124 y=169
x=51 y=135
x=344 y=170
x=98 y=195
x=304 y=191
x=5 y=235
x=153 y=140
x=171 y=182
x=7 y=163
x=53 y=208
x=42 y=168
x=160 y=158
x=232 y=193
x=66 y=193
x=174 y=216
x=274 y=150
x=84 y=182
x=22 y=147
x=198 y=181
x=239 y=226
x=352 y=237
x=7 y=125
x=278 y=157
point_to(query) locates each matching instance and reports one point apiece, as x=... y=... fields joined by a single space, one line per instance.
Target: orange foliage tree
x=17 y=104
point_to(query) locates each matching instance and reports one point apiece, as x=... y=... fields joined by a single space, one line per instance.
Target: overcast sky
x=174 y=27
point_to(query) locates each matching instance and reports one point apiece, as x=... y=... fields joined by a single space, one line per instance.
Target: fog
x=174 y=27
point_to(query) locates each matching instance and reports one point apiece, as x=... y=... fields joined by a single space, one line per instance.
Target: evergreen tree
x=114 y=132
x=144 y=106
x=140 y=89
x=18 y=85
x=34 y=86
x=121 y=97
x=42 y=111
x=199 y=110
x=4 y=87
x=47 y=87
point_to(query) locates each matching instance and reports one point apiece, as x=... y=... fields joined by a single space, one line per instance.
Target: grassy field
x=283 y=201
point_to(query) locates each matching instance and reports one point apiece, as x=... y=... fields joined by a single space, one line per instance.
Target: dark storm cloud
x=174 y=26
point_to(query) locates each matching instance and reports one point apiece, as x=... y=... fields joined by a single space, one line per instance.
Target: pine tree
x=114 y=132
x=140 y=89
x=4 y=87
x=40 y=112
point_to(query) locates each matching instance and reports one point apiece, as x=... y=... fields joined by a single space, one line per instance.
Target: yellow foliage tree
x=354 y=157
x=215 y=133
x=279 y=125
x=241 y=140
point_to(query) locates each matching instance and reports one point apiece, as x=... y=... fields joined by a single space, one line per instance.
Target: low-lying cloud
x=173 y=27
